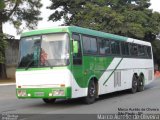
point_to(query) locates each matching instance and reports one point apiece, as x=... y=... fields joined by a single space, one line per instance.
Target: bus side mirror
x=75 y=47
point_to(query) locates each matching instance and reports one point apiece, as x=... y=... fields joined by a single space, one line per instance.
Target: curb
x=7 y=84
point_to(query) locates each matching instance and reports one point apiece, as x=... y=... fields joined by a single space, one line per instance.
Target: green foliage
x=2 y=5
x=156 y=51
x=17 y=12
x=3 y=44
x=131 y=18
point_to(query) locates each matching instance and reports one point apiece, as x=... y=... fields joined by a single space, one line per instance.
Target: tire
x=140 y=83
x=48 y=101
x=92 y=91
x=134 y=84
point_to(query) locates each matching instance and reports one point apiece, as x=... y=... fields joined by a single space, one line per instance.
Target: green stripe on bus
x=93 y=66
x=113 y=71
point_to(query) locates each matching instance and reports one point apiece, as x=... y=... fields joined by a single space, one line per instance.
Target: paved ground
x=147 y=101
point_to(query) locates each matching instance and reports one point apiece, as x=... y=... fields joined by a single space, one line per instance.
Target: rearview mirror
x=75 y=47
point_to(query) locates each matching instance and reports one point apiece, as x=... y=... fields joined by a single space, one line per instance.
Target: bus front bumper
x=59 y=92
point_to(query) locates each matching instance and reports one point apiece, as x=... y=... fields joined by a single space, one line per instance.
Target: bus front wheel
x=92 y=91
x=49 y=100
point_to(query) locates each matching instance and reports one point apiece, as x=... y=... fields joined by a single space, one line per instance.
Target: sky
x=9 y=29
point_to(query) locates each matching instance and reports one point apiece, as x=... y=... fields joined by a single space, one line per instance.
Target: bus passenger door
x=77 y=66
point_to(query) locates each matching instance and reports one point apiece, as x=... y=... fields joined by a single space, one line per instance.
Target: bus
x=73 y=62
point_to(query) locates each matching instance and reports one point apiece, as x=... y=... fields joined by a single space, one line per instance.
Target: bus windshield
x=44 y=51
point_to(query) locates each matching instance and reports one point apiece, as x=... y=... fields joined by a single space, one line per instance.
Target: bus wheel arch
x=96 y=83
x=92 y=92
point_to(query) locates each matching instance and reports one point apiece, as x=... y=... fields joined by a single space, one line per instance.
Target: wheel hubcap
x=92 y=91
x=135 y=84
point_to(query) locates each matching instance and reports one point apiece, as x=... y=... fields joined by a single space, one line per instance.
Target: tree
x=124 y=17
x=16 y=12
x=156 y=51
x=131 y=18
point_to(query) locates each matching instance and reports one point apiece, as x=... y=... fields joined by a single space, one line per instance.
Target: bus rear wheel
x=48 y=101
x=140 y=83
x=134 y=84
x=92 y=91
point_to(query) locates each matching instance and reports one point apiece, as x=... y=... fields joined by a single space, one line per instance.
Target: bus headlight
x=21 y=93
x=58 y=93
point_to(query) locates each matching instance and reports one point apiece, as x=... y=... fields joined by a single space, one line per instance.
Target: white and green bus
x=71 y=62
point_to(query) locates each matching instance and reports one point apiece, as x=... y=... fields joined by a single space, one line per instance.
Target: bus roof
x=80 y=30
x=73 y=29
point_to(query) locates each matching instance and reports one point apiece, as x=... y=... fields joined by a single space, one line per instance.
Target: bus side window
x=133 y=49
x=115 y=47
x=104 y=46
x=141 y=51
x=148 y=51
x=89 y=45
x=77 y=57
x=125 y=48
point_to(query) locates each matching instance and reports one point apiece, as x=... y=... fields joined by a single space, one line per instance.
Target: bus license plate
x=39 y=94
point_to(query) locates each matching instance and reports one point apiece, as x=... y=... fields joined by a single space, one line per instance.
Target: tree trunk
x=3 y=74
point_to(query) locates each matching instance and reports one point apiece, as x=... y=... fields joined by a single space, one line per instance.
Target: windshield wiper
x=28 y=65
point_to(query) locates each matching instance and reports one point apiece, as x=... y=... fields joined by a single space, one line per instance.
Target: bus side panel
x=118 y=76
